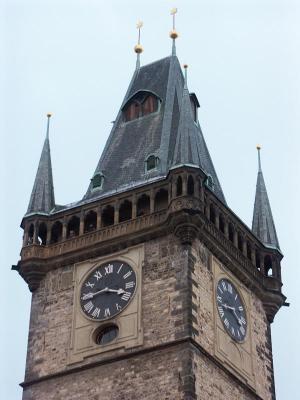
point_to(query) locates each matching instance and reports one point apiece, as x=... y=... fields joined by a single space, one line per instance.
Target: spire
x=138 y=47
x=173 y=33
x=42 y=196
x=263 y=224
x=170 y=133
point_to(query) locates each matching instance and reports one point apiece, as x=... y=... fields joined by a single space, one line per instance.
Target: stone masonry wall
x=203 y=295
x=163 y=309
x=152 y=376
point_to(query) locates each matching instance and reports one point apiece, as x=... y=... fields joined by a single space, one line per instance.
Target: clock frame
x=107 y=290
x=231 y=309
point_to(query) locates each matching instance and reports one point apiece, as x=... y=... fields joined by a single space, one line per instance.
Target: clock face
x=107 y=290
x=231 y=310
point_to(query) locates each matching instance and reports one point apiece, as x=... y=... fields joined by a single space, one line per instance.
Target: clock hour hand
x=234 y=312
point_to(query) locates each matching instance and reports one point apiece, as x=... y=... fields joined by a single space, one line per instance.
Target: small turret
x=42 y=195
x=263 y=224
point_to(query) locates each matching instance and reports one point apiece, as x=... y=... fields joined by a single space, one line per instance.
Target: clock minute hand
x=90 y=295
x=118 y=291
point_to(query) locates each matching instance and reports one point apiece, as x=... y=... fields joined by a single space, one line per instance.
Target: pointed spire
x=42 y=196
x=263 y=224
x=173 y=33
x=138 y=48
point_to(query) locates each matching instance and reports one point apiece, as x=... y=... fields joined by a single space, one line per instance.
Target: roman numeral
x=88 y=307
x=118 y=307
x=224 y=285
x=232 y=331
x=241 y=308
x=129 y=285
x=226 y=322
x=98 y=275
x=243 y=321
x=127 y=275
x=109 y=269
x=219 y=298
x=91 y=285
x=221 y=311
x=107 y=312
x=126 y=296
x=96 y=313
x=220 y=290
x=242 y=329
x=229 y=288
x=120 y=269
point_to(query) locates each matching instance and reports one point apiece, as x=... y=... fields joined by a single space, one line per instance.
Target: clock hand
x=118 y=291
x=234 y=312
x=90 y=295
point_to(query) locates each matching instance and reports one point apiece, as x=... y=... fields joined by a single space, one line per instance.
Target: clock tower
x=150 y=286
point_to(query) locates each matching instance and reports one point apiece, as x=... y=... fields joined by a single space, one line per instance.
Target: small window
x=209 y=182
x=152 y=163
x=106 y=335
x=97 y=181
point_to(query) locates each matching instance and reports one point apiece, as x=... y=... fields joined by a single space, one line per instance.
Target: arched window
x=209 y=182
x=152 y=162
x=42 y=233
x=190 y=185
x=268 y=265
x=56 y=232
x=240 y=242
x=125 y=211
x=143 y=205
x=97 y=181
x=248 y=250
x=108 y=216
x=73 y=227
x=141 y=104
x=161 y=200
x=30 y=234
x=221 y=223
x=230 y=232
x=212 y=214
x=257 y=260
x=179 y=186
x=90 y=221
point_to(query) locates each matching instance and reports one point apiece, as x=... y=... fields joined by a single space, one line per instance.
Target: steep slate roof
x=42 y=195
x=170 y=133
x=263 y=224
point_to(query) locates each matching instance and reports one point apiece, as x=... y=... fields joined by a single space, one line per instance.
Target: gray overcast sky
x=75 y=58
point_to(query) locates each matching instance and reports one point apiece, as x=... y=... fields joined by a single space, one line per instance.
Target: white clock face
x=231 y=310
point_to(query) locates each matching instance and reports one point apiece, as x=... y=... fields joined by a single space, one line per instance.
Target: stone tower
x=150 y=287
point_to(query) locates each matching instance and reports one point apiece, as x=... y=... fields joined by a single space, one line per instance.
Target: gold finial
x=258 y=146
x=174 y=33
x=185 y=66
x=49 y=115
x=138 y=47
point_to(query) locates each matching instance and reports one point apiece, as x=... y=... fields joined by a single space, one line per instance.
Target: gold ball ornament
x=138 y=49
x=174 y=34
x=49 y=115
x=258 y=147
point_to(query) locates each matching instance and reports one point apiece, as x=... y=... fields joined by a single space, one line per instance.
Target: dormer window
x=141 y=104
x=210 y=182
x=152 y=163
x=97 y=181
